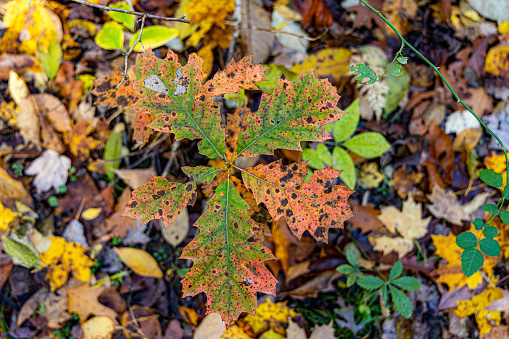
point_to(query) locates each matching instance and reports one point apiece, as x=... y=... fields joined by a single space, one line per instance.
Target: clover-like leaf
x=370 y=283
x=396 y=270
x=407 y=283
x=491 y=178
x=489 y=247
x=401 y=302
x=471 y=261
x=466 y=240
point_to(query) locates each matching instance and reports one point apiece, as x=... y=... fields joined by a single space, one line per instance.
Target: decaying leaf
x=370 y=176
x=84 y=301
x=100 y=327
x=50 y=170
x=270 y=315
x=445 y=205
x=408 y=223
x=64 y=258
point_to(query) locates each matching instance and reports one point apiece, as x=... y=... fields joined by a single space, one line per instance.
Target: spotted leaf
x=174 y=93
x=314 y=206
x=227 y=267
x=296 y=111
x=164 y=200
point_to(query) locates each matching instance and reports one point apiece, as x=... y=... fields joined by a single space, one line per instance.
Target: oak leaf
x=408 y=223
x=315 y=205
x=50 y=170
x=84 y=301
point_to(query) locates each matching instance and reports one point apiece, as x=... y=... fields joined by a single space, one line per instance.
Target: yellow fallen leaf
x=503 y=27
x=63 y=258
x=496 y=162
x=450 y=273
x=467 y=139
x=17 y=88
x=6 y=217
x=100 y=327
x=329 y=63
x=477 y=306
x=91 y=213
x=140 y=262
x=370 y=176
x=497 y=61
x=11 y=188
x=270 y=316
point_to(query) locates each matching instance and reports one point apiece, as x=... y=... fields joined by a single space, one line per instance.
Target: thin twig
x=241 y=26
x=174 y=147
x=237 y=17
x=150 y=16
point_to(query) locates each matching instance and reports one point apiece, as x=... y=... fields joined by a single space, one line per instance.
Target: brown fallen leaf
x=365 y=218
x=321 y=283
x=142 y=319
x=440 y=150
x=136 y=177
x=28 y=123
x=71 y=89
x=84 y=301
x=116 y=223
x=405 y=182
x=49 y=106
x=445 y=205
x=14 y=62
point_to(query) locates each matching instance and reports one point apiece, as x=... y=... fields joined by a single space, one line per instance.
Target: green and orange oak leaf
x=228 y=259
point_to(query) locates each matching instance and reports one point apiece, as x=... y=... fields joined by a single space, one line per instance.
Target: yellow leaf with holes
x=64 y=258
x=477 y=306
x=270 y=316
x=91 y=213
x=496 y=163
x=29 y=27
x=6 y=217
x=497 y=60
x=450 y=272
x=140 y=262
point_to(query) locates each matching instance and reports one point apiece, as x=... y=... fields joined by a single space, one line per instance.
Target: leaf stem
x=405 y=42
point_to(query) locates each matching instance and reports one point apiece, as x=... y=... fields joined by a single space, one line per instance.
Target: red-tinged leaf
x=174 y=93
x=107 y=93
x=296 y=111
x=236 y=76
x=314 y=206
x=227 y=268
x=164 y=200
x=142 y=131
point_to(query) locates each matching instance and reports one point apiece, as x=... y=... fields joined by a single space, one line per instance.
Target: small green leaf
x=396 y=270
x=504 y=215
x=311 y=156
x=351 y=258
x=111 y=36
x=396 y=70
x=345 y=269
x=370 y=282
x=466 y=240
x=350 y=280
x=506 y=192
x=407 y=283
x=51 y=58
x=343 y=128
x=24 y=253
x=342 y=161
x=402 y=60
x=153 y=37
x=489 y=247
x=471 y=261
x=368 y=145
x=491 y=178
x=401 y=302
x=123 y=18
x=478 y=223
x=490 y=232
x=365 y=72
x=491 y=208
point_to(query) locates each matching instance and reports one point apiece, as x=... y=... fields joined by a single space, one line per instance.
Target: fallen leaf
x=477 y=306
x=116 y=223
x=80 y=144
x=365 y=218
x=294 y=331
x=11 y=188
x=51 y=107
x=445 y=205
x=84 y=301
x=408 y=223
x=75 y=232
x=28 y=123
x=467 y=139
x=497 y=62
x=370 y=176
x=31 y=305
x=6 y=217
x=140 y=262
x=14 y=62
x=270 y=315
x=106 y=90
x=50 y=170
x=211 y=327
x=142 y=319
x=405 y=182
x=328 y=63
x=63 y=258
x=498 y=123
x=55 y=309
x=136 y=177
x=459 y=121
x=440 y=150
x=450 y=273
x=175 y=233
x=323 y=332
x=256 y=42
x=17 y=88
x=100 y=327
